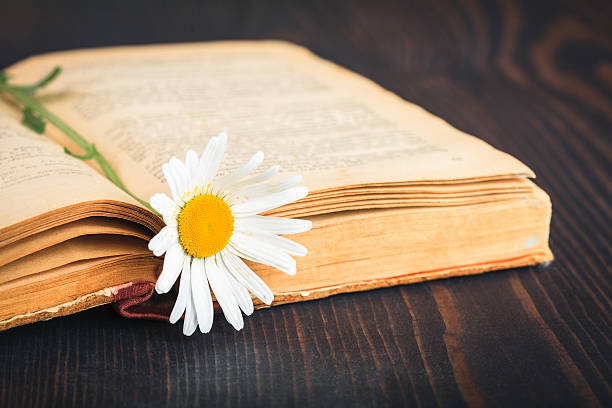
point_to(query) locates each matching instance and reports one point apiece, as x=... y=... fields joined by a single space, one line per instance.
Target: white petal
x=258 y=178
x=181 y=176
x=253 y=191
x=246 y=277
x=184 y=292
x=241 y=295
x=241 y=172
x=172 y=183
x=269 y=202
x=273 y=225
x=211 y=159
x=163 y=204
x=191 y=162
x=163 y=240
x=170 y=221
x=204 y=169
x=282 y=243
x=255 y=250
x=201 y=295
x=190 y=323
x=223 y=140
x=173 y=262
x=223 y=292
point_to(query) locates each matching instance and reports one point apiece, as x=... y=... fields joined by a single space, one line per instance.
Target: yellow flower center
x=205 y=225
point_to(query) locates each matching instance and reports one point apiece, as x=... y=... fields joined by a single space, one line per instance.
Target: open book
x=397 y=195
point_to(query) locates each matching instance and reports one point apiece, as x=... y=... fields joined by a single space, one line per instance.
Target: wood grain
x=532 y=78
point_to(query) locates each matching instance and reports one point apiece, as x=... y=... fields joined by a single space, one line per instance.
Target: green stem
x=24 y=97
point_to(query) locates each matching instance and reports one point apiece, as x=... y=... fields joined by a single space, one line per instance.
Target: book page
x=69 y=230
x=73 y=250
x=141 y=105
x=36 y=176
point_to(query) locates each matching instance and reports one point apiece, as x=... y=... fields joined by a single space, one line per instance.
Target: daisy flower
x=212 y=224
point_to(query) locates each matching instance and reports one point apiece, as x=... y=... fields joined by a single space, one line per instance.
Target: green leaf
x=3 y=77
x=43 y=82
x=90 y=154
x=50 y=77
x=32 y=120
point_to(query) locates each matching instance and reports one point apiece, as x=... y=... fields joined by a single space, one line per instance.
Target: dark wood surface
x=533 y=78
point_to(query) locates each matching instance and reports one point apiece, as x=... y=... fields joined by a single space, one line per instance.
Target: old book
x=397 y=195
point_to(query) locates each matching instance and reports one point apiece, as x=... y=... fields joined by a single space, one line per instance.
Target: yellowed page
x=141 y=105
x=52 y=289
x=64 y=232
x=73 y=250
x=36 y=176
x=358 y=250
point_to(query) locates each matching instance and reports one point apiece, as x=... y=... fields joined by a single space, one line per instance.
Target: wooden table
x=532 y=78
